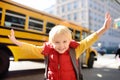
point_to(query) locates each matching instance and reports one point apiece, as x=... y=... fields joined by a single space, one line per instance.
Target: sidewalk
x=107 y=61
x=25 y=65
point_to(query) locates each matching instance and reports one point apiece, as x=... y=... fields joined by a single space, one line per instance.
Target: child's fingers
x=12 y=32
x=107 y=15
x=8 y=36
x=108 y=19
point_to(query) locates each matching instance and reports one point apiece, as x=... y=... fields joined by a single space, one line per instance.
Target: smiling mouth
x=61 y=49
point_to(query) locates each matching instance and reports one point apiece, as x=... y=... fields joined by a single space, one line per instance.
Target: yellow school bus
x=32 y=26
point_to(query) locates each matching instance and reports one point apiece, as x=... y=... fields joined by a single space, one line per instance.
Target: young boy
x=57 y=49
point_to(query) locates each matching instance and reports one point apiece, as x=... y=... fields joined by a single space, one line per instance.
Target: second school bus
x=32 y=26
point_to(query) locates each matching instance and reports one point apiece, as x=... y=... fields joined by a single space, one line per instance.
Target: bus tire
x=4 y=63
x=91 y=61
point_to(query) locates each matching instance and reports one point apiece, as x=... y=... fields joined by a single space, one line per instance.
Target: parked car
x=101 y=51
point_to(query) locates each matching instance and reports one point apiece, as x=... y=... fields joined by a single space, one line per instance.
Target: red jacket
x=60 y=66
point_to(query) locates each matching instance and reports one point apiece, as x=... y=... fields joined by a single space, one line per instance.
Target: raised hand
x=13 y=39
x=12 y=36
x=106 y=24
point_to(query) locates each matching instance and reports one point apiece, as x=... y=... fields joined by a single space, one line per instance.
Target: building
x=51 y=10
x=90 y=14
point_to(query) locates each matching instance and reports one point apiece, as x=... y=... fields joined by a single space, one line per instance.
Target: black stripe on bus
x=8 y=44
x=22 y=30
x=24 y=39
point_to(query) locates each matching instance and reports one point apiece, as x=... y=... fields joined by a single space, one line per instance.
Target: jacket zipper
x=58 y=67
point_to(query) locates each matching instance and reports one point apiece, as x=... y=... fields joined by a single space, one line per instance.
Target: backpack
x=77 y=68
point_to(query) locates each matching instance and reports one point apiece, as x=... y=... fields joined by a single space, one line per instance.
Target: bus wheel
x=91 y=61
x=4 y=63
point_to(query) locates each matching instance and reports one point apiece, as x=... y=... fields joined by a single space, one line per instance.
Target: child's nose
x=61 y=45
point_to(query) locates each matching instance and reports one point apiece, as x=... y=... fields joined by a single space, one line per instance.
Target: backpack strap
x=46 y=67
x=77 y=68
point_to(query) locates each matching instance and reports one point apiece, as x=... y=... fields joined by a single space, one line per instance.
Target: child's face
x=61 y=43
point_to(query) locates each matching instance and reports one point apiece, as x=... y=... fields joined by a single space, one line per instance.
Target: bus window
x=49 y=26
x=84 y=34
x=35 y=24
x=71 y=29
x=14 y=19
x=72 y=32
x=77 y=35
x=0 y=14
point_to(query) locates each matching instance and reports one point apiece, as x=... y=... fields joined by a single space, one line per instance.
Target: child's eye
x=64 y=41
x=56 y=42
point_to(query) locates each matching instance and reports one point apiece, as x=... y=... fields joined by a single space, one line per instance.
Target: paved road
x=35 y=74
x=101 y=74
x=106 y=68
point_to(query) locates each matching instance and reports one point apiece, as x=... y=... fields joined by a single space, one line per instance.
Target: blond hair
x=59 y=30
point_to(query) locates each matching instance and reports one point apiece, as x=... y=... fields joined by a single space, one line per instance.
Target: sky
x=37 y=4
